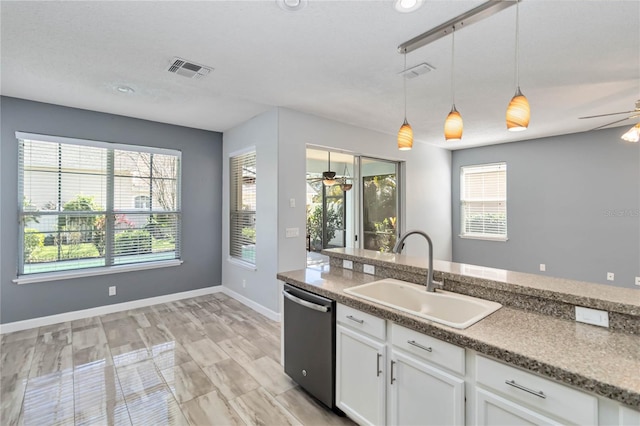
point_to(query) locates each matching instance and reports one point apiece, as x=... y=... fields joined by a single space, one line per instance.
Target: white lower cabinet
x=360 y=384
x=494 y=410
x=422 y=394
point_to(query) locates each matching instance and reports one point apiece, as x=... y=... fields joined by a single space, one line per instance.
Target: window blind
x=89 y=204
x=242 y=200
x=483 y=201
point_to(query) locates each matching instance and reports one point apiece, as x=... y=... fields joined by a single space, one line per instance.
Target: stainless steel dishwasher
x=309 y=342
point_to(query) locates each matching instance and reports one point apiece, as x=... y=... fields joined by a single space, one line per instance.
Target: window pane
x=243 y=202
x=483 y=200
x=100 y=225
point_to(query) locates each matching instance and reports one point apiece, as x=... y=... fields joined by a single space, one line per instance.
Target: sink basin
x=452 y=309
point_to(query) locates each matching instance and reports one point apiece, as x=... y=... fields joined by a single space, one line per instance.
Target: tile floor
x=208 y=360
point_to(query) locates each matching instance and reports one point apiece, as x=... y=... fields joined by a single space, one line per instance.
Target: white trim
x=98 y=144
x=90 y=272
x=484 y=237
x=274 y=316
x=241 y=263
x=241 y=151
x=107 y=309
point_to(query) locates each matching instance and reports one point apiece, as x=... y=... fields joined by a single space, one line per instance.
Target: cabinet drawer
x=361 y=321
x=428 y=348
x=553 y=398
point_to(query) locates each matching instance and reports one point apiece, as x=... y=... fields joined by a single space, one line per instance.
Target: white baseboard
x=109 y=309
x=274 y=316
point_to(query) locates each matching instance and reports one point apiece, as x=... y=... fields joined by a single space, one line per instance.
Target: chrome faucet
x=431 y=285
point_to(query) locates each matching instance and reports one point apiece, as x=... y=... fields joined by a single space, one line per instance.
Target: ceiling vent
x=417 y=71
x=188 y=69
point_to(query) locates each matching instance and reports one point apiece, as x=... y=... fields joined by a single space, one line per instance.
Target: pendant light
x=633 y=134
x=343 y=180
x=453 y=123
x=328 y=177
x=518 y=112
x=405 y=134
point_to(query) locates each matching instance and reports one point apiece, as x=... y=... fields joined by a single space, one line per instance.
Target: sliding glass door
x=380 y=207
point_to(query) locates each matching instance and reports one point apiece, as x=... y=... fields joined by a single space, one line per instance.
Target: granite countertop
x=591 y=358
x=598 y=296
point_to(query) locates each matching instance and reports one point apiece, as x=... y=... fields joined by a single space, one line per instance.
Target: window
x=76 y=204
x=483 y=201
x=242 y=200
x=141 y=201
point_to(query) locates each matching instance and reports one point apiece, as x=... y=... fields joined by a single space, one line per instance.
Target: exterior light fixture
x=518 y=111
x=453 y=124
x=405 y=134
x=633 y=134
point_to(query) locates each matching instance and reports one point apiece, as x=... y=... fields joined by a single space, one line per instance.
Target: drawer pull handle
x=418 y=345
x=378 y=366
x=393 y=379
x=359 y=321
x=513 y=383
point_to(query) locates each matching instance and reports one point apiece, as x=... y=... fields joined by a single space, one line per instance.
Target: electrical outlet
x=112 y=290
x=610 y=276
x=543 y=267
x=637 y=280
x=592 y=316
x=369 y=269
x=244 y=283
x=292 y=232
x=292 y=202
x=347 y=264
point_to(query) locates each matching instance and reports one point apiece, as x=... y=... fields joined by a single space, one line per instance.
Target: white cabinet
x=422 y=394
x=514 y=392
x=360 y=372
x=493 y=410
x=399 y=380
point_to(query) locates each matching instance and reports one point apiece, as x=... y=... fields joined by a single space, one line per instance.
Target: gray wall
x=573 y=203
x=201 y=207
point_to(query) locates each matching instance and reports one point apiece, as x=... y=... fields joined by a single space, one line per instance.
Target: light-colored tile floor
x=208 y=360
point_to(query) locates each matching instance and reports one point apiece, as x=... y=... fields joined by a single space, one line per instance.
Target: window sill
x=486 y=238
x=65 y=275
x=240 y=263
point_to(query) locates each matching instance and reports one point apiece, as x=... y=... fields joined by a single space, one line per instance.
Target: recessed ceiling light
x=291 y=5
x=125 y=89
x=406 y=6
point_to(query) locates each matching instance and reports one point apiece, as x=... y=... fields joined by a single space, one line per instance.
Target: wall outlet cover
x=592 y=316
x=292 y=232
x=543 y=267
x=610 y=276
x=637 y=280
x=369 y=269
x=112 y=290
x=347 y=264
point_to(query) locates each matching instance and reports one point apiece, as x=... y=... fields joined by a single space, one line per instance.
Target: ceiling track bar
x=474 y=15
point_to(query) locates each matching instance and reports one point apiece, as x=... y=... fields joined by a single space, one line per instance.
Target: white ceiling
x=335 y=59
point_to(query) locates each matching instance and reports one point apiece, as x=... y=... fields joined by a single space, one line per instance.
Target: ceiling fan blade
x=605 y=115
x=609 y=124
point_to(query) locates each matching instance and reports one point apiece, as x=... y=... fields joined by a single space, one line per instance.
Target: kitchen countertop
x=591 y=358
x=597 y=296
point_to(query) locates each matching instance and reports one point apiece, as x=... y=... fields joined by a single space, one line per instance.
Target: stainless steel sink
x=452 y=309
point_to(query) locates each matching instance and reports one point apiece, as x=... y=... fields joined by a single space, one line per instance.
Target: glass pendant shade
x=518 y=113
x=328 y=178
x=405 y=137
x=633 y=134
x=453 y=125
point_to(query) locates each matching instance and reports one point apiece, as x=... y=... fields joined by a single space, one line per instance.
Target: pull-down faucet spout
x=431 y=285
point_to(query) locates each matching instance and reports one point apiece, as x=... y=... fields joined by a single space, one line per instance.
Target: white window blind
x=242 y=198
x=483 y=201
x=88 y=204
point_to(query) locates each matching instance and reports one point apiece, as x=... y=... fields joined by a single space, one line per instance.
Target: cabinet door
x=360 y=380
x=494 y=410
x=422 y=394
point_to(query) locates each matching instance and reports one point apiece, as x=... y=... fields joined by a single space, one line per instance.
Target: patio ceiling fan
x=632 y=114
x=329 y=177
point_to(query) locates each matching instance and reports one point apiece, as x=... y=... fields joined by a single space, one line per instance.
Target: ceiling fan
x=329 y=178
x=632 y=114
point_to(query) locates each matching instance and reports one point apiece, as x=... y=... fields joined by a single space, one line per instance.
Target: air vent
x=417 y=71
x=188 y=69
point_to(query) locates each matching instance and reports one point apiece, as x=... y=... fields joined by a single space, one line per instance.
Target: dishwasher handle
x=305 y=303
